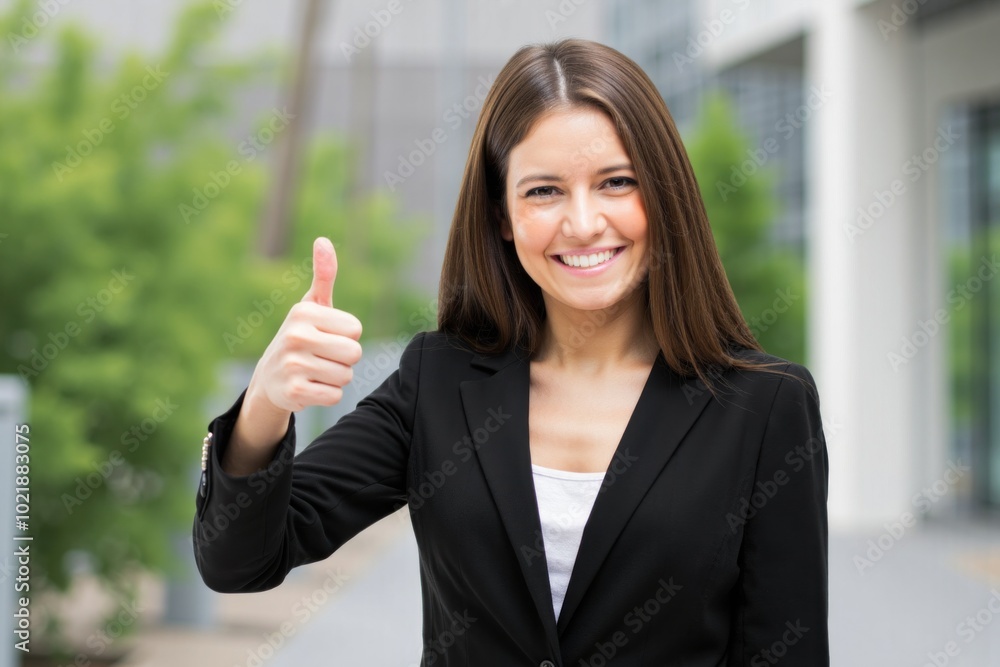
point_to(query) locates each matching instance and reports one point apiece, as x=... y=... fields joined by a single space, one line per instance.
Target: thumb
x=324 y=273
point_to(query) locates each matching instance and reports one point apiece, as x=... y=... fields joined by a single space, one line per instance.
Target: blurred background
x=165 y=166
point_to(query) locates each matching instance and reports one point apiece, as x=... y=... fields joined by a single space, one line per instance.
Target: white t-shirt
x=564 y=499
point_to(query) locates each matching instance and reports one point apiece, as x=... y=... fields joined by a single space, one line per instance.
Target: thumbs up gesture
x=309 y=360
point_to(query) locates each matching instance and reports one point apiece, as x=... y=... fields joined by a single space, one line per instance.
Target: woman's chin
x=598 y=303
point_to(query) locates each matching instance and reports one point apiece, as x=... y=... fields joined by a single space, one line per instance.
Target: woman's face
x=572 y=193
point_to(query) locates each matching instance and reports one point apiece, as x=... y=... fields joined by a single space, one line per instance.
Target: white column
x=861 y=266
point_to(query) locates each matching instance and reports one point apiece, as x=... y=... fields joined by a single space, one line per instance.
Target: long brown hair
x=486 y=297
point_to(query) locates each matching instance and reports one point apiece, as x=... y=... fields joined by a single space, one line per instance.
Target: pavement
x=323 y=609
x=927 y=595
x=915 y=597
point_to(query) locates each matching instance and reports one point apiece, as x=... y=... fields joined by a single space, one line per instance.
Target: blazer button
x=546 y=663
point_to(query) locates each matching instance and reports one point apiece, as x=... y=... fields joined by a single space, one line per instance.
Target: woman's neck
x=594 y=341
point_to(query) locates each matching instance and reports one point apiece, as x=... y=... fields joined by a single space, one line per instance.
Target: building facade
x=900 y=110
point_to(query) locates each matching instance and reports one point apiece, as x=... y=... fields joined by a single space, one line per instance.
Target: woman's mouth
x=588 y=263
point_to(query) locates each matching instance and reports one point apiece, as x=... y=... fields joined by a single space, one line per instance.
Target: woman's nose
x=583 y=217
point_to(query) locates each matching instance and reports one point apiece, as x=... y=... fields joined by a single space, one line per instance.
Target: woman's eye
x=620 y=182
x=542 y=191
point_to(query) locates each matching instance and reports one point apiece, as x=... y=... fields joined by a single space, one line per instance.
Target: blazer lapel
x=506 y=463
x=667 y=408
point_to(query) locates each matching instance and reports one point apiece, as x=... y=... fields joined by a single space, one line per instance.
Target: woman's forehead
x=578 y=141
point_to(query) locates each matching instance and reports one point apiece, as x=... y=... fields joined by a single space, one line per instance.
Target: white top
x=564 y=499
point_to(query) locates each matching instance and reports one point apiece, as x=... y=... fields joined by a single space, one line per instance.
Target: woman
x=600 y=463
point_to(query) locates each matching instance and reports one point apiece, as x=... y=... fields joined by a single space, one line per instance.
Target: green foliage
x=766 y=278
x=372 y=247
x=963 y=309
x=117 y=304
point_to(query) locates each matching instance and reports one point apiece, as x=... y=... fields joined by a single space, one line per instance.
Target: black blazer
x=706 y=545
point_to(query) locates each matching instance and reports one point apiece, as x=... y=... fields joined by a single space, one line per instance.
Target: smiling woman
x=576 y=217
x=576 y=480
x=575 y=155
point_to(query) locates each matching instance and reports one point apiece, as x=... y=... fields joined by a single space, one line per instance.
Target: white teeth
x=585 y=261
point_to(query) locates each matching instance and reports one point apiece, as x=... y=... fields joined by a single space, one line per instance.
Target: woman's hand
x=308 y=362
x=310 y=358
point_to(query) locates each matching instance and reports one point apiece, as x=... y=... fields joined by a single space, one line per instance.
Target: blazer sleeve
x=249 y=531
x=782 y=593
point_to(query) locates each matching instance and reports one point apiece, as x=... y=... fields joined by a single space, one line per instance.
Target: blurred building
x=885 y=121
x=666 y=39
x=897 y=103
x=402 y=80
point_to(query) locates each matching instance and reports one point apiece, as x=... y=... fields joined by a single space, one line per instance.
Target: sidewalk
x=317 y=606
x=377 y=621
x=924 y=601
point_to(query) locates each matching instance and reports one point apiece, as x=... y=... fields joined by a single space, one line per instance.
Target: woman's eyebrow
x=549 y=177
x=616 y=167
x=536 y=177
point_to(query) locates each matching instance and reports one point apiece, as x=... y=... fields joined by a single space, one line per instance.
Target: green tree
x=127 y=230
x=964 y=309
x=767 y=278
